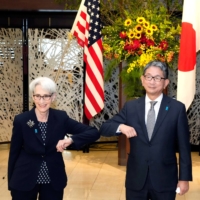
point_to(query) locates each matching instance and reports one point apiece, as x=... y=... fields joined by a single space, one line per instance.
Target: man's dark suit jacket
x=158 y=156
x=27 y=150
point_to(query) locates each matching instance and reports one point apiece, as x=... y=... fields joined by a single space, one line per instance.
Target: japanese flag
x=189 y=46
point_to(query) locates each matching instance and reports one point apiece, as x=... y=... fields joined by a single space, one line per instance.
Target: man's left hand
x=184 y=187
x=62 y=144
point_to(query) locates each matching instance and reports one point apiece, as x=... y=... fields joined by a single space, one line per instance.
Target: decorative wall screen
x=11 y=86
x=49 y=51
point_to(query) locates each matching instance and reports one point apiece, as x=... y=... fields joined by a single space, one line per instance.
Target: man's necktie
x=151 y=119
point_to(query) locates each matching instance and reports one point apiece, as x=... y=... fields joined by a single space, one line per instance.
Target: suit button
x=42 y=156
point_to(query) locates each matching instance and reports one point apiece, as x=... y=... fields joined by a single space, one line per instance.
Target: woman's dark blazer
x=27 y=150
x=156 y=157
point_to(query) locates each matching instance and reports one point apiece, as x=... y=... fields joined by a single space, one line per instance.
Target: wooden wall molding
x=30 y=5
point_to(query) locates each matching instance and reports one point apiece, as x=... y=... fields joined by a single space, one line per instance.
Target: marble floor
x=96 y=175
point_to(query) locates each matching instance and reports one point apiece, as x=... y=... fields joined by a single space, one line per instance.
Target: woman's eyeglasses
x=45 y=97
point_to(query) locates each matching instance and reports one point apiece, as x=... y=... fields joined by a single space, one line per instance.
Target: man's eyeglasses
x=45 y=97
x=155 y=78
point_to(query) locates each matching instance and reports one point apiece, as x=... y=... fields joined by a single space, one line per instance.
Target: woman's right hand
x=127 y=130
x=62 y=144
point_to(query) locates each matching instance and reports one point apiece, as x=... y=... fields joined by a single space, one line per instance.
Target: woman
x=35 y=166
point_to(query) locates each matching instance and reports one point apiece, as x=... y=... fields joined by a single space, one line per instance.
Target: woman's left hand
x=62 y=144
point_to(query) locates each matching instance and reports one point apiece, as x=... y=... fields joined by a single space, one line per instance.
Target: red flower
x=143 y=39
x=122 y=35
x=163 y=45
x=150 y=42
x=132 y=46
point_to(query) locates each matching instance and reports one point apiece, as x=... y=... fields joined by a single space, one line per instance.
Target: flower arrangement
x=152 y=35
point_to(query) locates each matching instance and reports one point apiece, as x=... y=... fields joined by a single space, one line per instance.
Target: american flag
x=87 y=30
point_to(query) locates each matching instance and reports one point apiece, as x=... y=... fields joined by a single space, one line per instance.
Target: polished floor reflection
x=96 y=175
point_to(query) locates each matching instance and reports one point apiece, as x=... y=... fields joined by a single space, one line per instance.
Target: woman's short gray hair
x=46 y=84
x=162 y=65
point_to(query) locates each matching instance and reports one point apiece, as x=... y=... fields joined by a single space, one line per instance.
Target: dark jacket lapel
x=141 y=112
x=163 y=111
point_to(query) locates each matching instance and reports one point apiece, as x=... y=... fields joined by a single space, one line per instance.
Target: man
x=152 y=171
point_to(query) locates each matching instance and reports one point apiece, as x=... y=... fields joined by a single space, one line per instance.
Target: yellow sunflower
x=131 y=34
x=140 y=20
x=128 y=22
x=146 y=24
x=154 y=27
x=138 y=35
x=149 y=31
x=138 y=28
